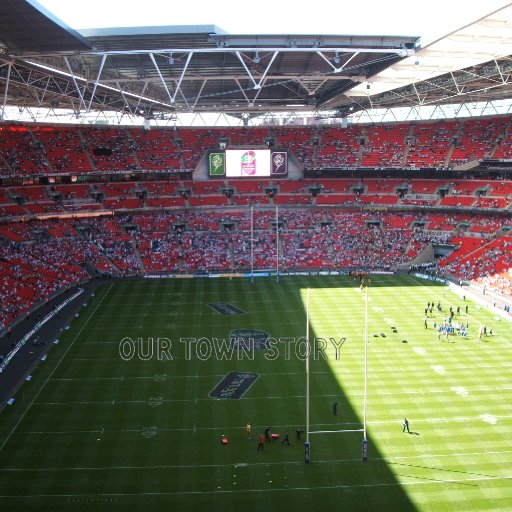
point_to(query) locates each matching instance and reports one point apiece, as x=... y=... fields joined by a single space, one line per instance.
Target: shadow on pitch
x=440 y=469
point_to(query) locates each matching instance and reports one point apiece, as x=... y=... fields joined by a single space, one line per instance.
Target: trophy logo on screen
x=248 y=163
x=279 y=166
x=216 y=164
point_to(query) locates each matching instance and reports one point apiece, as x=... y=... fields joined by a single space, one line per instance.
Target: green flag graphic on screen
x=217 y=164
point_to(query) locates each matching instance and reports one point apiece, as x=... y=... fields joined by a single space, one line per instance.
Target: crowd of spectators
x=40 y=257
x=41 y=149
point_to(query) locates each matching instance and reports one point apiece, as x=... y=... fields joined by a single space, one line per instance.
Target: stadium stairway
x=137 y=254
x=38 y=144
x=231 y=253
x=133 y=153
x=457 y=137
x=86 y=150
x=424 y=256
x=408 y=138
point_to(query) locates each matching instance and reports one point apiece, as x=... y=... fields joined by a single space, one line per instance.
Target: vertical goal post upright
x=306 y=444
x=252 y=244
x=277 y=244
x=365 y=398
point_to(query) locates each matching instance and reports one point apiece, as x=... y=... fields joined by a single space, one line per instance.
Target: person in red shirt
x=261 y=444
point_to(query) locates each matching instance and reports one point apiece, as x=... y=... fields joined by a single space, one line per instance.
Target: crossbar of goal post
x=307 y=444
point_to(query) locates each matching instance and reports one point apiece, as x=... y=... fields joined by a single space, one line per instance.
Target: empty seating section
x=300 y=141
x=504 y=149
x=477 y=140
x=72 y=192
x=20 y=153
x=384 y=146
x=501 y=188
x=377 y=199
x=194 y=142
x=248 y=187
x=204 y=187
x=292 y=199
x=336 y=199
x=245 y=136
x=335 y=186
x=425 y=186
x=468 y=187
x=430 y=143
x=108 y=148
x=211 y=200
x=459 y=201
x=165 y=202
x=156 y=149
x=29 y=194
x=294 y=186
x=52 y=199
x=64 y=149
x=382 y=186
x=158 y=188
x=42 y=149
x=339 y=147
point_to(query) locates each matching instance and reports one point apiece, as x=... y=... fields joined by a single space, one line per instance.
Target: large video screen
x=240 y=163
x=250 y=162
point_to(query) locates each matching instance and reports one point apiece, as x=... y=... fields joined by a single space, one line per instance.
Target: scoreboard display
x=248 y=163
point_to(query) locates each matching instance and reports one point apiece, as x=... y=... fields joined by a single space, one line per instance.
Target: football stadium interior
x=206 y=238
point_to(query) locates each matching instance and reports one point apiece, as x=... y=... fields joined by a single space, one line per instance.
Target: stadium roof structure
x=159 y=72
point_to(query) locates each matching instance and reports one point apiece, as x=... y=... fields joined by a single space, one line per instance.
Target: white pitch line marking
x=265 y=490
x=55 y=368
x=255 y=464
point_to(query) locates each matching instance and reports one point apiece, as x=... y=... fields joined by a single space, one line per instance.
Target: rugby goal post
x=307 y=444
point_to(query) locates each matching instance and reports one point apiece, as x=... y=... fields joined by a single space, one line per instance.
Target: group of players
x=268 y=437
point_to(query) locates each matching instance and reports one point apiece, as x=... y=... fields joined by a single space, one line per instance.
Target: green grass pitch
x=92 y=431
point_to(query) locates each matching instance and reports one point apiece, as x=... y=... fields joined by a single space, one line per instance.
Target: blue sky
x=429 y=20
